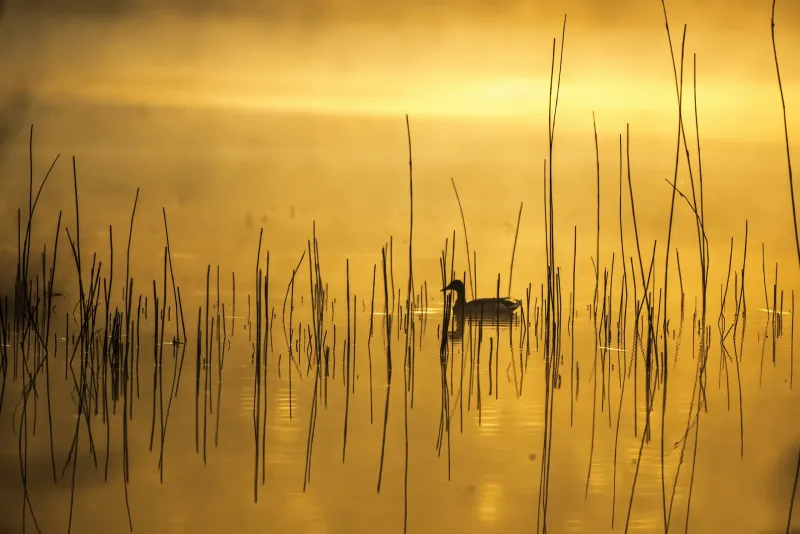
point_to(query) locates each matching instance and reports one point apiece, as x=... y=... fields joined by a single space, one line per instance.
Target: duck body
x=486 y=307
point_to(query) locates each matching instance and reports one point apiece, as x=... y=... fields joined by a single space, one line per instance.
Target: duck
x=487 y=307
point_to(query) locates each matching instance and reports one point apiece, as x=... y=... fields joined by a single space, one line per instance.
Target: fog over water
x=233 y=118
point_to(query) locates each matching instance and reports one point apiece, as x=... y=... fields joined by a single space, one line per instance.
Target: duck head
x=458 y=287
x=455 y=285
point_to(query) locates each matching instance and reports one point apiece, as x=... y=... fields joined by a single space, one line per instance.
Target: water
x=221 y=175
x=495 y=457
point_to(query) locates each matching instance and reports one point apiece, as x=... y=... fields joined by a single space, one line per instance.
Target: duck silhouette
x=486 y=307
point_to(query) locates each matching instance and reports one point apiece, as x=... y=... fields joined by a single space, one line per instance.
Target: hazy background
x=470 y=58
x=237 y=115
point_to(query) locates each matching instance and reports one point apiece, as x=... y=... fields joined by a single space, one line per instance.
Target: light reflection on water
x=499 y=451
x=490 y=501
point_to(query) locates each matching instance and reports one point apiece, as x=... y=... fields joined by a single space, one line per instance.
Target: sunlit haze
x=424 y=266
